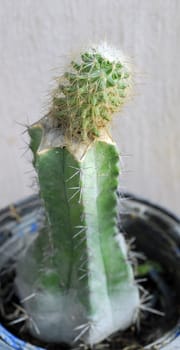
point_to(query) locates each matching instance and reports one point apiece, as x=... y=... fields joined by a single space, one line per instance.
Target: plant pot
x=156 y=233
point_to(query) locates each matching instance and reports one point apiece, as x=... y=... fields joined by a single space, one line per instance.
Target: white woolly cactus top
x=88 y=95
x=109 y=53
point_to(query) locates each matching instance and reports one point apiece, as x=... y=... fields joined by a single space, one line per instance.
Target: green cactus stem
x=77 y=269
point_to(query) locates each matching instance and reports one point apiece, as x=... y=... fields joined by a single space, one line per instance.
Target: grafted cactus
x=75 y=279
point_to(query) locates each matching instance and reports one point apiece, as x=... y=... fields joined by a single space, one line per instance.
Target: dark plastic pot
x=156 y=233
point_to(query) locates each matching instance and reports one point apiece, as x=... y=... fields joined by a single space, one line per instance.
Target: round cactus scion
x=77 y=269
x=88 y=95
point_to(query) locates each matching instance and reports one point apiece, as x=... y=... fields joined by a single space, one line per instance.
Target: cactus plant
x=75 y=279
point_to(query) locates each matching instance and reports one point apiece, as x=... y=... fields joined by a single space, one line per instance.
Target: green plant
x=75 y=279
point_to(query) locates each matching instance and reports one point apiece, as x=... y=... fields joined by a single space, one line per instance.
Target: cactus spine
x=77 y=269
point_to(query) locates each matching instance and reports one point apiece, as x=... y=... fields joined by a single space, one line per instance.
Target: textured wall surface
x=38 y=37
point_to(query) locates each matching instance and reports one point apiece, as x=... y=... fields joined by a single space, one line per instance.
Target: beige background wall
x=38 y=36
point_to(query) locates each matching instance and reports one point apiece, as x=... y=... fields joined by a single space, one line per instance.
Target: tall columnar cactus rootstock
x=76 y=280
